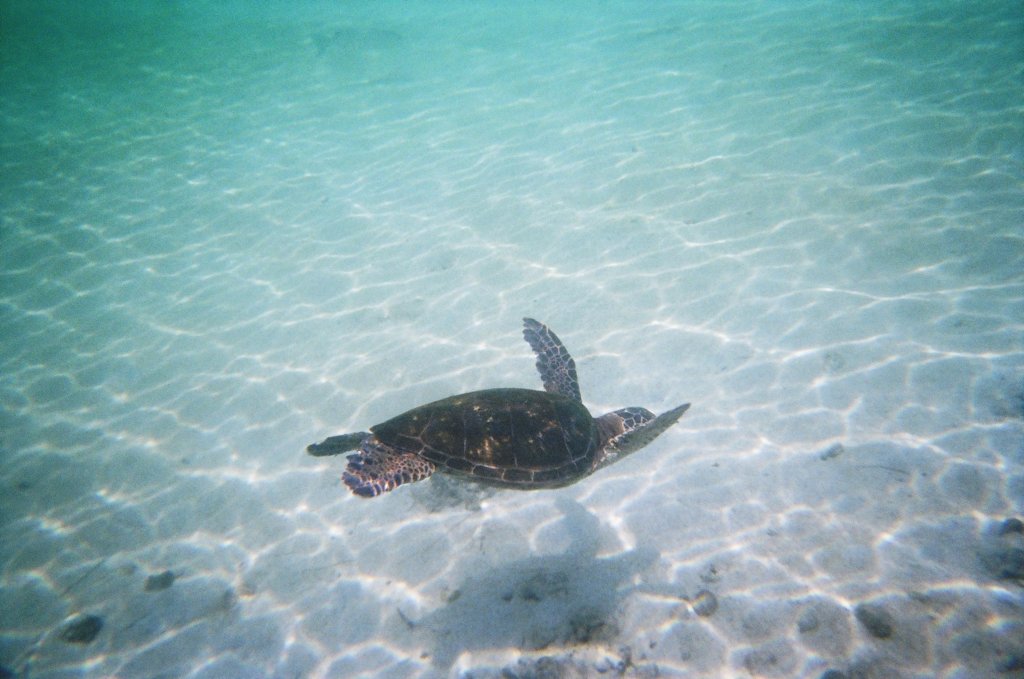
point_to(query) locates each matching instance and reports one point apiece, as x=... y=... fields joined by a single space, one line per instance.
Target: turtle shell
x=508 y=437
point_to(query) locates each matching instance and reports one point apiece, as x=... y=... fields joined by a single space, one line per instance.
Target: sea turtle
x=514 y=438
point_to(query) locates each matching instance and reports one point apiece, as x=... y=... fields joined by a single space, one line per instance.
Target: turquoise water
x=230 y=230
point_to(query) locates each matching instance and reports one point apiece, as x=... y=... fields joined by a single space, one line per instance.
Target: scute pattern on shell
x=515 y=437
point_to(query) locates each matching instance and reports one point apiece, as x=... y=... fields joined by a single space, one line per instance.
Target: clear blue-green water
x=232 y=229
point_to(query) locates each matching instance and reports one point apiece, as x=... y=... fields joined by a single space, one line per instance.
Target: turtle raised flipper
x=640 y=430
x=514 y=438
x=555 y=365
x=335 y=445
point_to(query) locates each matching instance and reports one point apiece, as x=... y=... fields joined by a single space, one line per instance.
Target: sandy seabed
x=224 y=238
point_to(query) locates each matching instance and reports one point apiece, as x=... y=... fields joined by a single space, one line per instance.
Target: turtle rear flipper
x=376 y=469
x=645 y=431
x=555 y=365
x=335 y=445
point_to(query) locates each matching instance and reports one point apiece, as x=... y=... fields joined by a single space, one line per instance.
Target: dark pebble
x=875 y=619
x=1005 y=563
x=1011 y=526
x=6 y=672
x=1013 y=564
x=158 y=582
x=833 y=451
x=705 y=603
x=808 y=622
x=833 y=674
x=1013 y=663
x=82 y=629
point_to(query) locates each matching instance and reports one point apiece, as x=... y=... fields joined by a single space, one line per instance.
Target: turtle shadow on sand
x=563 y=600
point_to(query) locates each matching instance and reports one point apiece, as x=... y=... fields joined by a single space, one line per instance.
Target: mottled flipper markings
x=555 y=365
x=374 y=470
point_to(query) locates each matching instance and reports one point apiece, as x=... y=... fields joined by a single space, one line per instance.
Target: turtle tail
x=335 y=445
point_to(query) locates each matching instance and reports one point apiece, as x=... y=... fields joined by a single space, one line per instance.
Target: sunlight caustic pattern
x=222 y=240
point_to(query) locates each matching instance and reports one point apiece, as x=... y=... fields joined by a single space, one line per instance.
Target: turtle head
x=627 y=430
x=611 y=427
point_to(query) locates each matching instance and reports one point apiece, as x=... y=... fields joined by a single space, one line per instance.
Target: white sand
x=224 y=239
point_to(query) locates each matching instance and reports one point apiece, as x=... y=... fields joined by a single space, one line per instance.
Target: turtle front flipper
x=555 y=365
x=335 y=445
x=376 y=469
